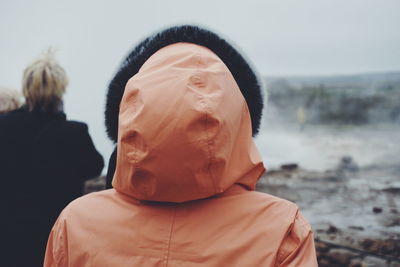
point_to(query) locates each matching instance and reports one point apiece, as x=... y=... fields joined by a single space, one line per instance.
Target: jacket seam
x=135 y=154
x=283 y=250
x=209 y=145
x=166 y=257
x=210 y=150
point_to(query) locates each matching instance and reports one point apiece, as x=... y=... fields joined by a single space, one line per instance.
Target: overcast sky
x=282 y=37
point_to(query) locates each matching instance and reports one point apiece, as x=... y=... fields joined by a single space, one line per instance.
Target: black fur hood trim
x=238 y=66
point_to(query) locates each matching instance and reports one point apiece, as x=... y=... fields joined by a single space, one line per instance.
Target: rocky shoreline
x=355 y=217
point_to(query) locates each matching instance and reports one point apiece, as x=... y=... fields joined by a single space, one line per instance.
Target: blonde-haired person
x=44 y=161
x=44 y=83
x=10 y=99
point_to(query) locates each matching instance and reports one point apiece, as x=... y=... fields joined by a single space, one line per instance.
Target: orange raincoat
x=183 y=186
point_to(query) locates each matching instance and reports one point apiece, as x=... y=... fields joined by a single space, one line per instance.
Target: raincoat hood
x=245 y=76
x=184 y=130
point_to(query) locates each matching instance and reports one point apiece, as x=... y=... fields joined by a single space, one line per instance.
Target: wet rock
x=341 y=256
x=392 y=190
x=369 y=244
x=394 y=264
x=332 y=230
x=357 y=263
x=358 y=228
x=385 y=247
x=377 y=209
x=321 y=247
x=375 y=262
x=290 y=167
x=324 y=262
x=390 y=247
x=347 y=164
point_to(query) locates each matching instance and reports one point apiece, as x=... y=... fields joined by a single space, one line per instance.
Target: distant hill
x=363 y=81
x=349 y=99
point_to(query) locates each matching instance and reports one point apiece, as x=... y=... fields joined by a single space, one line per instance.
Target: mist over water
x=316 y=121
x=322 y=147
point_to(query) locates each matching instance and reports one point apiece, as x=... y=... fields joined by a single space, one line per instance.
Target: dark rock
x=324 y=262
x=332 y=230
x=321 y=247
x=385 y=247
x=367 y=243
x=341 y=256
x=358 y=228
x=390 y=247
x=347 y=164
x=377 y=209
x=357 y=263
x=290 y=167
x=392 y=190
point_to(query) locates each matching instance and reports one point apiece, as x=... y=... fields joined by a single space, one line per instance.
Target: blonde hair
x=43 y=84
x=10 y=99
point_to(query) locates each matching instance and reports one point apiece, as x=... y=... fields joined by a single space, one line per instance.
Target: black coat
x=44 y=161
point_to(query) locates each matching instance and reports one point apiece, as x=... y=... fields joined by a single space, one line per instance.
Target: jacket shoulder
x=10 y=117
x=298 y=238
x=270 y=198
x=92 y=201
x=273 y=202
x=69 y=128
x=261 y=207
x=77 y=125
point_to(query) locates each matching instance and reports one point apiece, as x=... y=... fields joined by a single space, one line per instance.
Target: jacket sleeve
x=112 y=163
x=298 y=249
x=89 y=161
x=57 y=245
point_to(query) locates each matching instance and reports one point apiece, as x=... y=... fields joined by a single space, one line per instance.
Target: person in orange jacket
x=183 y=108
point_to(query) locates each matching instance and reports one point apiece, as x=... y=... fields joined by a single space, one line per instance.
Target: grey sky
x=282 y=37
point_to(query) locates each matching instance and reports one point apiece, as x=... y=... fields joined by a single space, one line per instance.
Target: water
x=321 y=147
